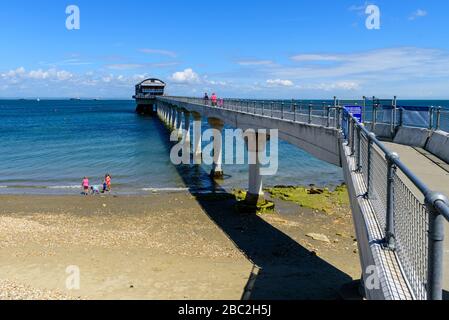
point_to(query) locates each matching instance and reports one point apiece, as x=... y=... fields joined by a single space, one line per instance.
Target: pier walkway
x=434 y=173
x=397 y=194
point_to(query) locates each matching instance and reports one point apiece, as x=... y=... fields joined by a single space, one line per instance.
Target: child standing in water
x=108 y=181
x=85 y=186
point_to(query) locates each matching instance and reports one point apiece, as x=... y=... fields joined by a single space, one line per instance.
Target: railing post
x=364 y=109
x=272 y=107
x=328 y=115
x=310 y=113
x=282 y=111
x=371 y=137
x=294 y=112
x=263 y=108
x=438 y=122
x=359 y=149
x=401 y=117
x=338 y=117
x=390 y=240
x=393 y=121
x=353 y=125
x=436 y=246
x=431 y=118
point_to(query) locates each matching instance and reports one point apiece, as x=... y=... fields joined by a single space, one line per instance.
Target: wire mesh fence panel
x=378 y=185
x=411 y=232
x=364 y=157
x=414 y=117
x=443 y=121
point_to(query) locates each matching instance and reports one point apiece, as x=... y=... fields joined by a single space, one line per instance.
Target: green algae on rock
x=313 y=198
x=244 y=207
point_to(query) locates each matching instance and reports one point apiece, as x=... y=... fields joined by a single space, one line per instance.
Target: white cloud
x=131 y=66
x=14 y=73
x=360 y=9
x=255 y=62
x=418 y=14
x=403 y=62
x=159 y=52
x=124 y=66
x=315 y=57
x=339 y=85
x=39 y=74
x=216 y=83
x=280 y=83
x=187 y=76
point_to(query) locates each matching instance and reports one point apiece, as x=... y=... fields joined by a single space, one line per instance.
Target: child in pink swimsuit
x=85 y=186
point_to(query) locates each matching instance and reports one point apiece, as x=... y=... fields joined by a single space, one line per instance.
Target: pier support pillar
x=256 y=144
x=197 y=138
x=179 y=123
x=169 y=117
x=217 y=167
x=187 y=123
x=161 y=110
x=173 y=112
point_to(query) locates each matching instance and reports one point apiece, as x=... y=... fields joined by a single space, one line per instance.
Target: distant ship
x=75 y=99
x=38 y=100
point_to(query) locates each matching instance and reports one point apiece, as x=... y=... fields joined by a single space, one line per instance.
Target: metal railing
x=322 y=114
x=395 y=114
x=411 y=216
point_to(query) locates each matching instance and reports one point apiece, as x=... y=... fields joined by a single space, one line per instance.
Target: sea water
x=47 y=147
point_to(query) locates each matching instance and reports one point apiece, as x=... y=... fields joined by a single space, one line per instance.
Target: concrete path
x=431 y=174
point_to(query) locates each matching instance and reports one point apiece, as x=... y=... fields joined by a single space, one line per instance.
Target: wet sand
x=170 y=246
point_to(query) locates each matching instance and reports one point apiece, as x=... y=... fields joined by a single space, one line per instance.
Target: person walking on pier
x=214 y=99
x=206 y=99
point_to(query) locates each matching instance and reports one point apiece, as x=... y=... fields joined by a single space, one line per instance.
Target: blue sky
x=266 y=49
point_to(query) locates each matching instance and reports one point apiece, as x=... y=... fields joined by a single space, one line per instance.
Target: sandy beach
x=171 y=246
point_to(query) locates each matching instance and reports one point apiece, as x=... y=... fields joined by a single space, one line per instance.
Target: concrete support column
x=256 y=144
x=179 y=123
x=197 y=138
x=169 y=117
x=217 y=167
x=166 y=115
x=187 y=124
x=160 y=112
x=173 y=118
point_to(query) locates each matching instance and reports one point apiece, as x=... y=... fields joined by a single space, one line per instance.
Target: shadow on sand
x=287 y=270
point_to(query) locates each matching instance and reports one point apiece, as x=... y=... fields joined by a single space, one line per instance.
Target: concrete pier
x=338 y=138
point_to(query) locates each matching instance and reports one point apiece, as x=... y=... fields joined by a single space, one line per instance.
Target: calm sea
x=49 y=146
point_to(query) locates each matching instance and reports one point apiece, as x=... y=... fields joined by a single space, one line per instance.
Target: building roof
x=152 y=82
